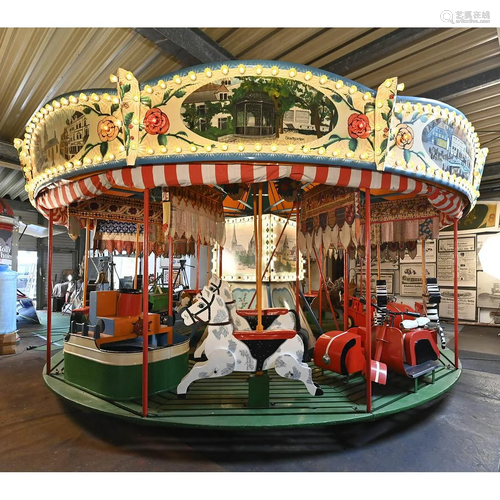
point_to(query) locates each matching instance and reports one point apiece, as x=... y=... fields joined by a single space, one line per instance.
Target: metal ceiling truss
x=189 y=45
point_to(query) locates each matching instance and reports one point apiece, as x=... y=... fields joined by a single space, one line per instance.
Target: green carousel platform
x=223 y=402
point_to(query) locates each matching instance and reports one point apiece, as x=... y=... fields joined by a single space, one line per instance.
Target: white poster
x=466 y=268
x=488 y=291
x=467 y=244
x=466 y=304
x=411 y=278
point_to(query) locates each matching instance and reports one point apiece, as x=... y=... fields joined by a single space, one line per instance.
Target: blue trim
x=271 y=158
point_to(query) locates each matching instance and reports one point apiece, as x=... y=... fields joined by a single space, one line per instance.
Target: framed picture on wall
x=411 y=278
x=467 y=309
x=488 y=291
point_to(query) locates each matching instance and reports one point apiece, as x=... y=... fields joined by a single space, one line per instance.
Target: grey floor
x=459 y=432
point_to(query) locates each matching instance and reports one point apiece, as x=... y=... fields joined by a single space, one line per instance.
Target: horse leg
x=287 y=366
x=220 y=363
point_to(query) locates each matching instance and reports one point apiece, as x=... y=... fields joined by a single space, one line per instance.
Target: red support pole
x=320 y=291
x=50 y=251
x=346 y=287
x=455 y=287
x=145 y=307
x=297 y=256
x=368 y=339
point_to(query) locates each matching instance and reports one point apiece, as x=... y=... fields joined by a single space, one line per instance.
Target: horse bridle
x=217 y=290
x=195 y=318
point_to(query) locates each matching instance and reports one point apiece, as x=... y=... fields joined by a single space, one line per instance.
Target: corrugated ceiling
x=37 y=64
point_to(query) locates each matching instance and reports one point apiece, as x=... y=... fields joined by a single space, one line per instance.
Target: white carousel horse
x=223 y=288
x=255 y=352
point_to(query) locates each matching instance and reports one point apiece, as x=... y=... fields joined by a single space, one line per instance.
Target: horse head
x=209 y=308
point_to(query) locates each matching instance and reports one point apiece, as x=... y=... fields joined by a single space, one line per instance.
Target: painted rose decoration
x=107 y=129
x=156 y=122
x=404 y=136
x=358 y=126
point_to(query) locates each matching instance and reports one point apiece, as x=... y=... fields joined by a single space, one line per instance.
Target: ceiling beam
x=191 y=46
x=8 y=156
x=466 y=86
x=378 y=49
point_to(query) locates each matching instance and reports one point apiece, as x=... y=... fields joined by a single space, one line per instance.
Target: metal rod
x=325 y=288
x=309 y=272
x=198 y=248
x=86 y=261
x=221 y=252
x=297 y=257
x=208 y=264
x=138 y=230
x=368 y=339
x=455 y=287
x=50 y=251
x=145 y=307
x=423 y=270
x=378 y=261
x=320 y=293
x=346 y=288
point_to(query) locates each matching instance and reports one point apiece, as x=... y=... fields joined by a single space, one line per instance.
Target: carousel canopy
x=182 y=130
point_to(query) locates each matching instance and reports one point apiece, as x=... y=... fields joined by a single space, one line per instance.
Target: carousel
x=273 y=169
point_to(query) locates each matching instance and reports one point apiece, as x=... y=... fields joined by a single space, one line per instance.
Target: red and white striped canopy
x=59 y=197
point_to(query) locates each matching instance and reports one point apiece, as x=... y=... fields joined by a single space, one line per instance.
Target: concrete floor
x=457 y=433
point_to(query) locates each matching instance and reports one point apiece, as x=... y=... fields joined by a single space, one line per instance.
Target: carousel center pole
x=346 y=288
x=50 y=251
x=455 y=287
x=368 y=338
x=321 y=282
x=258 y=257
x=145 y=307
x=86 y=261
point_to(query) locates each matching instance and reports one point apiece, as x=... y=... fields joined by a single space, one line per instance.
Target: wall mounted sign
x=466 y=262
x=466 y=304
x=411 y=278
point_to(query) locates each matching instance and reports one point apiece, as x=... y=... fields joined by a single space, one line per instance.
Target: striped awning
x=60 y=196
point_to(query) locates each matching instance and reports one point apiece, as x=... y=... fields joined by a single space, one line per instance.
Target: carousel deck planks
x=223 y=402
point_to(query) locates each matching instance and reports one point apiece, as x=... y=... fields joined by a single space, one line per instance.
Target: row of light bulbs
x=452 y=117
